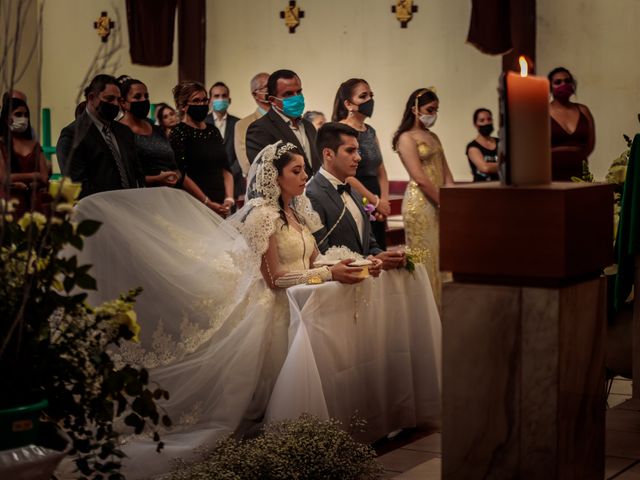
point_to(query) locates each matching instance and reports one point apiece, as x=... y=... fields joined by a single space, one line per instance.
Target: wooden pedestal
x=524 y=327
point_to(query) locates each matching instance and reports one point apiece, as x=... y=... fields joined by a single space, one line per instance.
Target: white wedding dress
x=212 y=332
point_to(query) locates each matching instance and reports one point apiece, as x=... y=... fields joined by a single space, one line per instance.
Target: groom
x=341 y=211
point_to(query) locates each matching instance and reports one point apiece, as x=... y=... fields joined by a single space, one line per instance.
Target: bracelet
x=233 y=202
x=206 y=200
x=377 y=202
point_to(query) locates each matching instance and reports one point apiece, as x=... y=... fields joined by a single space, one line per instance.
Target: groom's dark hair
x=329 y=135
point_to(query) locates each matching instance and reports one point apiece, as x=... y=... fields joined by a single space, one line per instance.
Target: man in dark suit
x=344 y=219
x=219 y=96
x=284 y=121
x=97 y=151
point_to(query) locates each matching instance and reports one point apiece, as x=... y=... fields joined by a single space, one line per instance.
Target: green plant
x=305 y=448
x=54 y=345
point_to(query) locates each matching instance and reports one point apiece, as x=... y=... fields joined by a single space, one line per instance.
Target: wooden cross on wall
x=104 y=26
x=404 y=10
x=292 y=15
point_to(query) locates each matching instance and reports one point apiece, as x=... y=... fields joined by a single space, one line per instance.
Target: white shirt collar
x=332 y=178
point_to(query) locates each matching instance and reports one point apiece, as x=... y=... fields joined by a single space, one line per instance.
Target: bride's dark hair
x=423 y=96
x=281 y=162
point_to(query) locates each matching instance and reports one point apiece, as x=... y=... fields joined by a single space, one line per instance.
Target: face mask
x=293 y=106
x=428 y=120
x=19 y=124
x=220 y=105
x=366 y=108
x=486 y=130
x=563 y=92
x=140 y=109
x=108 y=111
x=197 y=112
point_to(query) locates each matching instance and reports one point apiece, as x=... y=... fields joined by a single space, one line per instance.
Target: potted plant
x=56 y=358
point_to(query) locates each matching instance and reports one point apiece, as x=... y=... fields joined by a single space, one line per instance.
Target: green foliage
x=54 y=345
x=306 y=448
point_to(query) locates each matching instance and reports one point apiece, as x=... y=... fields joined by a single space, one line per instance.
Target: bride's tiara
x=284 y=149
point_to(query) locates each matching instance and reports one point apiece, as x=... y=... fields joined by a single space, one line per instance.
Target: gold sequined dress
x=421 y=216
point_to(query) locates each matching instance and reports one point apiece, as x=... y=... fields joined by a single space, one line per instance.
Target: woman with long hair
x=423 y=156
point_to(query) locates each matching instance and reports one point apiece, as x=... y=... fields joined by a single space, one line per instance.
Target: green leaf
x=86 y=228
x=86 y=281
x=132 y=420
x=76 y=241
x=166 y=421
x=68 y=283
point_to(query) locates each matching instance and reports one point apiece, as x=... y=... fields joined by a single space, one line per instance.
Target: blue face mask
x=220 y=105
x=293 y=106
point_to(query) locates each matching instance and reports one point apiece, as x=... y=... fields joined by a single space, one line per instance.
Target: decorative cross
x=404 y=10
x=104 y=25
x=292 y=15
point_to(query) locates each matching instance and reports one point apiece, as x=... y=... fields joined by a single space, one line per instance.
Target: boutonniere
x=369 y=209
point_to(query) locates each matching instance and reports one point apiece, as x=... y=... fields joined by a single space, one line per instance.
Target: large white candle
x=529 y=129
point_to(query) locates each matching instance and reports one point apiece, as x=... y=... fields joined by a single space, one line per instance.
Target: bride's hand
x=343 y=273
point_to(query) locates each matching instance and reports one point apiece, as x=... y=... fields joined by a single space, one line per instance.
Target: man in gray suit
x=345 y=221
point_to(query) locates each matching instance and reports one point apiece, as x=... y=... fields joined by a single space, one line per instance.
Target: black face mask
x=108 y=111
x=198 y=112
x=140 y=109
x=366 y=108
x=486 y=130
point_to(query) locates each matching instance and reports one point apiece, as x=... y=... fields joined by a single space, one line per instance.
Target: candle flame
x=524 y=66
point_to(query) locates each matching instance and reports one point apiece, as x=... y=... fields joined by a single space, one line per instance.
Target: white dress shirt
x=348 y=200
x=299 y=132
x=221 y=123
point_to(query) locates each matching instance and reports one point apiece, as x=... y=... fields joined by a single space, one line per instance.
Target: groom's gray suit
x=329 y=204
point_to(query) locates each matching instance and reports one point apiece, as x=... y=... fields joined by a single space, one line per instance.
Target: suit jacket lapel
x=288 y=135
x=337 y=199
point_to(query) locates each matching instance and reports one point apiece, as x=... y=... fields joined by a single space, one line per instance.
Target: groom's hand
x=391 y=260
x=343 y=273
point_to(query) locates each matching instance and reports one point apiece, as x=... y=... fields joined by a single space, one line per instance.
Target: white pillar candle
x=529 y=128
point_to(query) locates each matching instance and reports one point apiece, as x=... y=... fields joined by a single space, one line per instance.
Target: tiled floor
x=421 y=459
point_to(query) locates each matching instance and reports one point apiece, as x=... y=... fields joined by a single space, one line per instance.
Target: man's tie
x=108 y=136
x=344 y=188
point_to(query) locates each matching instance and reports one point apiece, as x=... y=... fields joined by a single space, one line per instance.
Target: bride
x=213 y=313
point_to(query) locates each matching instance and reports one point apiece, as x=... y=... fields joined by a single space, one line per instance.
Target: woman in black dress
x=200 y=151
x=154 y=151
x=352 y=106
x=482 y=152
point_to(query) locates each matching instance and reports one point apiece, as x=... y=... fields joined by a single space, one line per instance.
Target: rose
x=32 y=217
x=66 y=188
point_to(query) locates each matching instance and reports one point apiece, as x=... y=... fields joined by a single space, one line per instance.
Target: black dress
x=155 y=153
x=201 y=155
x=490 y=156
x=367 y=174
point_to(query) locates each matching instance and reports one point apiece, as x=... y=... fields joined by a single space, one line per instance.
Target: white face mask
x=19 y=124
x=428 y=120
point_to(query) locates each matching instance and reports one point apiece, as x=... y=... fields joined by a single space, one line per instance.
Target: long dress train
x=213 y=334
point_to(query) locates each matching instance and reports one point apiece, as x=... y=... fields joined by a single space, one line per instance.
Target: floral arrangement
x=305 y=448
x=616 y=176
x=55 y=346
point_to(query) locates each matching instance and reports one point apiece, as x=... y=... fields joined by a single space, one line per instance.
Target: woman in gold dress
x=422 y=155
